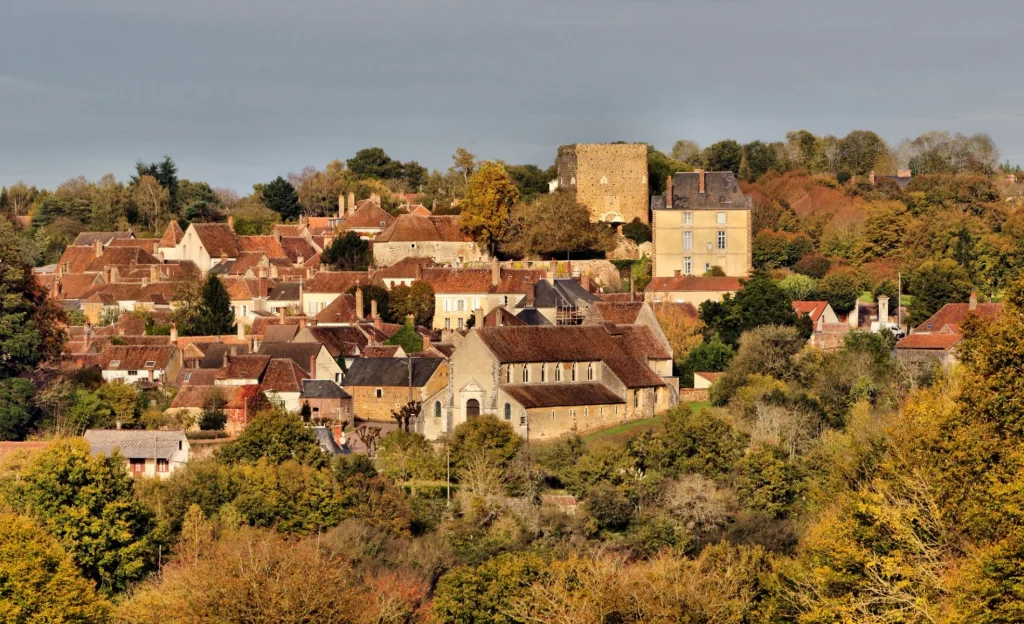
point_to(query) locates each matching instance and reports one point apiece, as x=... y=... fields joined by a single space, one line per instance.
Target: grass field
x=620 y=433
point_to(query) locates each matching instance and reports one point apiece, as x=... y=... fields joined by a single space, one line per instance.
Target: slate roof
x=562 y=293
x=532 y=316
x=722 y=191
x=105 y=238
x=568 y=343
x=285 y=291
x=218 y=239
x=391 y=372
x=283 y=375
x=694 y=283
x=328 y=444
x=414 y=228
x=135 y=444
x=561 y=394
x=322 y=389
x=298 y=352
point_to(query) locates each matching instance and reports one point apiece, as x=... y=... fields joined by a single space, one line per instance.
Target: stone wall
x=693 y=395
x=610 y=179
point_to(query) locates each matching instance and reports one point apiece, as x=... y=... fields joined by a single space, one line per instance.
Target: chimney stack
x=700 y=181
x=417 y=271
x=883 y=310
x=426 y=341
x=677 y=273
x=375 y=198
x=668 y=193
x=302 y=322
x=373 y=308
x=312 y=366
x=378 y=324
x=341 y=205
x=359 y=303
x=553 y=271
x=226 y=360
x=531 y=294
x=154 y=274
x=973 y=304
x=495 y=272
x=97 y=247
x=174 y=334
x=351 y=203
x=479 y=316
x=231 y=222
x=281 y=312
x=240 y=330
x=585 y=281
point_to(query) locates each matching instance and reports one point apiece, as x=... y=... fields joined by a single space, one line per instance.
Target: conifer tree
x=216 y=317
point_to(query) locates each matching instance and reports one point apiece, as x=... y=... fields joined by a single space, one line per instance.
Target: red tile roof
x=296 y=247
x=414 y=228
x=341 y=310
x=218 y=239
x=244 y=367
x=561 y=394
x=172 y=235
x=448 y=280
x=335 y=281
x=367 y=216
x=694 y=283
x=346 y=340
x=268 y=245
x=381 y=351
x=195 y=396
x=283 y=375
x=813 y=309
x=620 y=313
x=147 y=244
x=956 y=313
x=928 y=341
x=407 y=268
x=135 y=357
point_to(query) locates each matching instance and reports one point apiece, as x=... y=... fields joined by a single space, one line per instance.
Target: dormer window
x=116 y=363
x=574 y=371
x=150 y=364
x=590 y=372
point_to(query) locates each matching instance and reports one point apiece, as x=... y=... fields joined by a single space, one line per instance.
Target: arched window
x=472 y=408
x=526 y=373
x=437 y=409
x=508 y=411
x=636 y=399
x=558 y=372
x=590 y=372
x=574 y=371
x=543 y=372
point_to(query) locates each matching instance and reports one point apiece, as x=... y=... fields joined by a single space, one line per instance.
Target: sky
x=241 y=91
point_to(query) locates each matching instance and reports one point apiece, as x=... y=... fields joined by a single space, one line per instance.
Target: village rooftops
x=368 y=216
x=956 y=313
x=104 y=238
x=694 y=283
x=218 y=239
x=335 y=281
x=322 y=389
x=135 y=444
x=704 y=190
x=414 y=228
x=391 y=371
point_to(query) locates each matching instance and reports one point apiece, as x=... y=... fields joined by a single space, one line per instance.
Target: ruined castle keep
x=608 y=178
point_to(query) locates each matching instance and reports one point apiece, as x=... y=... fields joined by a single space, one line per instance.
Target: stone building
x=702 y=220
x=436 y=237
x=609 y=179
x=380 y=385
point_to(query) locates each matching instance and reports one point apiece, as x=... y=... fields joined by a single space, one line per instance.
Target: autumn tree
x=723 y=156
x=464 y=163
x=841 y=289
x=682 y=328
x=153 y=202
x=686 y=151
x=277 y=436
x=934 y=284
x=490 y=195
x=555 y=225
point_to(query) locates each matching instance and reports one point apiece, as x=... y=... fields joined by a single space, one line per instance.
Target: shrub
x=813 y=265
x=841 y=289
x=609 y=507
x=638 y=231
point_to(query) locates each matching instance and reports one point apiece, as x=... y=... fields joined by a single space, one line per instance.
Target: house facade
x=436 y=237
x=155 y=454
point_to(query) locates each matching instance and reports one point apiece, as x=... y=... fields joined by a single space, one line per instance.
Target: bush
x=609 y=507
x=767 y=482
x=699 y=443
x=813 y=265
x=841 y=289
x=638 y=231
x=799 y=287
x=843 y=177
x=496 y=439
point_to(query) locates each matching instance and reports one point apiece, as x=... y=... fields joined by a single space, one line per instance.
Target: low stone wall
x=693 y=395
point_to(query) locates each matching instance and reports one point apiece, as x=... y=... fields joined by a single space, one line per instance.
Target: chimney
x=700 y=181
x=154 y=274
x=97 y=246
x=341 y=205
x=231 y=223
x=112 y=275
x=883 y=310
x=302 y=322
x=262 y=272
x=226 y=360
x=495 y=272
x=359 y=303
x=280 y=312
x=351 y=203
x=373 y=308
x=478 y=314
x=973 y=304
x=273 y=271
x=174 y=334
x=375 y=198
x=240 y=330
x=312 y=366
x=553 y=271
x=378 y=324
x=871 y=177
x=531 y=294
x=426 y=341
x=585 y=282
x=668 y=193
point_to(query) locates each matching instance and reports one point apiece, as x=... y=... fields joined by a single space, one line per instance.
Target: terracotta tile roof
x=105 y=238
x=335 y=281
x=446 y=280
x=268 y=245
x=218 y=239
x=386 y=330
x=283 y=375
x=206 y=341
x=341 y=310
x=407 y=268
x=280 y=333
x=499 y=317
x=298 y=352
x=313 y=262
x=296 y=247
x=710 y=376
x=447 y=350
x=956 y=313
x=928 y=341
x=581 y=343
x=561 y=394
x=517 y=281
x=619 y=313
x=413 y=228
x=194 y=396
x=172 y=235
x=642 y=344
x=78 y=285
x=147 y=244
x=260 y=324
x=420 y=210
x=111 y=294
x=813 y=309
x=622 y=297
x=282 y=229
x=131 y=325
x=246 y=288
x=244 y=367
x=196 y=377
x=161 y=293
x=348 y=341
x=245 y=262
x=381 y=351
x=368 y=216
x=121 y=256
x=131 y=357
x=319 y=223
x=691 y=283
x=77 y=258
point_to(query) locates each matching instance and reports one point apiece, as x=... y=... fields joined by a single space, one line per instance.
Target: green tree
x=277 y=436
x=637 y=231
x=421 y=303
x=768 y=481
x=555 y=225
x=934 y=284
x=464 y=163
x=769 y=250
x=860 y=151
x=723 y=156
x=406 y=414
x=216 y=317
x=486 y=594
x=759 y=301
x=712 y=356
x=18 y=416
x=373 y=162
x=496 y=439
x=164 y=172
x=280 y=196
x=841 y=289
x=490 y=195
x=659 y=168
x=531 y=180
x=29 y=320
x=87 y=502
x=407 y=338
x=759 y=158
x=686 y=151
x=39 y=580
x=799 y=287
x=213 y=417
x=699 y=442
x=609 y=507
x=348 y=252
x=124 y=403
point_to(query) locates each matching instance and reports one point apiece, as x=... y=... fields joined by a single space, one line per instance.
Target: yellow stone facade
x=692 y=241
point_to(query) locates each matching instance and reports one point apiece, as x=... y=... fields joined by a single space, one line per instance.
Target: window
x=337 y=378
x=437 y=409
x=574 y=371
x=447 y=305
x=505 y=300
x=412 y=245
x=137 y=465
x=188 y=377
x=590 y=372
x=721 y=218
x=508 y=374
x=586 y=412
x=447 y=323
x=162 y=465
x=460 y=305
x=150 y=364
x=462 y=323
x=179 y=445
x=572 y=414
x=687 y=241
x=379 y=393
x=558 y=372
x=707 y=267
x=687 y=265
x=133 y=373
x=245 y=310
x=552 y=414
x=508 y=411
x=476 y=303
x=543 y=372
x=600 y=411
x=522 y=420
x=636 y=399
x=687 y=218
x=616 y=410
x=526 y=373
x=721 y=239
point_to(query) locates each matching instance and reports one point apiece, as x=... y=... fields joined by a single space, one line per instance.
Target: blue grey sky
x=240 y=91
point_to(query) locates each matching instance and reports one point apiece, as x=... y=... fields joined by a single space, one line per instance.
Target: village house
x=690 y=289
x=938 y=336
x=380 y=385
x=460 y=293
x=552 y=380
x=134 y=364
x=324 y=287
x=368 y=219
x=437 y=237
x=146 y=453
x=207 y=244
x=404 y=272
x=312 y=357
x=556 y=302
x=327 y=401
x=238 y=403
x=285 y=297
x=702 y=220
x=283 y=382
x=344 y=342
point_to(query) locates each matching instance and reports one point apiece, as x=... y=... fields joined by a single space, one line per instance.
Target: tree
x=490 y=195
x=486 y=435
x=373 y=162
x=609 y=507
x=681 y=329
x=216 y=317
x=487 y=593
x=40 y=581
x=686 y=151
x=213 y=417
x=714 y=271
x=699 y=443
x=799 y=287
x=277 y=436
x=712 y=356
x=767 y=481
x=348 y=252
x=841 y=289
x=934 y=284
x=813 y=265
x=17 y=414
x=373 y=292
x=421 y=303
x=464 y=163
x=123 y=401
x=29 y=320
x=531 y=180
x=637 y=231
x=280 y=196
x=659 y=168
x=759 y=158
x=759 y=301
x=555 y=225
x=860 y=150
x=87 y=502
x=723 y=156
x=406 y=414
x=153 y=202
x=408 y=338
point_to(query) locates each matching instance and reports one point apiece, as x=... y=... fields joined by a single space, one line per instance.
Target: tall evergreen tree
x=216 y=317
x=281 y=197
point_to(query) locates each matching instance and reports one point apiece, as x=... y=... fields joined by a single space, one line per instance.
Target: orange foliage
x=805 y=196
